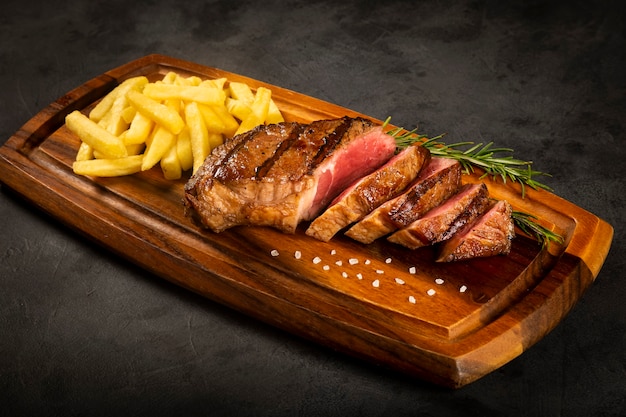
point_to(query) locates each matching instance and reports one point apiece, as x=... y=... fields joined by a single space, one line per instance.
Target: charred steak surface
x=281 y=174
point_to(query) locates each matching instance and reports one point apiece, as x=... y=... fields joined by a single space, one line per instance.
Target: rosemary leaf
x=476 y=155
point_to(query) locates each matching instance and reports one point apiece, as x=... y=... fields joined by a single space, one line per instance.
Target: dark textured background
x=85 y=333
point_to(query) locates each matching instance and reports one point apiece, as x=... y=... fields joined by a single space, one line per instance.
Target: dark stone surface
x=82 y=332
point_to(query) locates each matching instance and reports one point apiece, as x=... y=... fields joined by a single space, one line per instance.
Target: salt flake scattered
x=376 y=283
x=463 y=288
x=412 y=299
x=380 y=271
x=412 y=270
x=353 y=261
x=344 y=274
x=274 y=252
x=438 y=281
x=400 y=281
x=297 y=254
x=317 y=260
x=431 y=292
x=326 y=267
x=388 y=260
x=359 y=275
x=338 y=263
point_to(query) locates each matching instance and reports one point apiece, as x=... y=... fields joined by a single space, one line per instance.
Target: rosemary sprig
x=483 y=156
x=486 y=158
x=528 y=224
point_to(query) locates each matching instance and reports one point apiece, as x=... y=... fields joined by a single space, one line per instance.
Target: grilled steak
x=436 y=182
x=278 y=175
x=489 y=235
x=444 y=220
x=369 y=192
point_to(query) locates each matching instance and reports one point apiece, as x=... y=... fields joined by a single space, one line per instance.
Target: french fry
x=170 y=165
x=242 y=92
x=85 y=152
x=199 y=94
x=273 y=114
x=230 y=123
x=128 y=114
x=183 y=150
x=156 y=111
x=212 y=120
x=158 y=145
x=198 y=135
x=258 y=112
x=101 y=109
x=95 y=136
x=215 y=140
x=237 y=108
x=108 y=167
x=140 y=128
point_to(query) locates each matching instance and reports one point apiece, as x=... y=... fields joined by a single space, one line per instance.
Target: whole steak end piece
x=281 y=174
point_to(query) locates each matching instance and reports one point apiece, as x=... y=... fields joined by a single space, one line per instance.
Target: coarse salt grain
x=380 y=271
x=338 y=263
x=412 y=270
x=400 y=281
x=326 y=267
x=367 y=262
x=274 y=252
x=412 y=299
x=317 y=260
x=438 y=281
x=344 y=274
x=359 y=275
x=297 y=254
x=333 y=252
x=353 y=261
x=388 y=260
x=431 y=292
x=376 y=283
x=463 y=288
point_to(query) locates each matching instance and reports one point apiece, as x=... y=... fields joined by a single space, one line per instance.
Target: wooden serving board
x=370 y=301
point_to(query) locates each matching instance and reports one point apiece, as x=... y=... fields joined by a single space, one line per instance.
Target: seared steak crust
x=489 y=235
x=278 y=175
x=436 y=182
x=445 y=220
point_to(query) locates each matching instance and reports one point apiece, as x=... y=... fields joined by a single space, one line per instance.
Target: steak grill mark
x=294 y=135
x=330 y=141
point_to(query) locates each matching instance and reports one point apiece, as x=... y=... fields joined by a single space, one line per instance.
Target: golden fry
x=170 y=165
x=160 y=142
x=95 y=136
x=98 y=112
x=199 y=94
x=258 y=112
x=212 y=120
x=198 y=135
x=156 y=111
x=139 y=130
x=183 y=150
x=109 y=167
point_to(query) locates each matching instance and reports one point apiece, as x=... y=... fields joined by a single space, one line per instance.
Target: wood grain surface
x=446 y=323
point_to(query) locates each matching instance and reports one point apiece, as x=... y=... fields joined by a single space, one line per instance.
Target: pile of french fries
x=174 y=122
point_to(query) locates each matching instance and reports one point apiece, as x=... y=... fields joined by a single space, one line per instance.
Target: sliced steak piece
x=369 y=192
x=489 y=235
x=280 y=174
x=436 y=182
x=444 y=220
